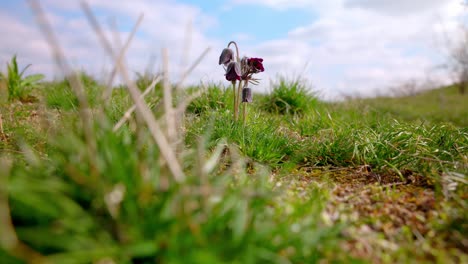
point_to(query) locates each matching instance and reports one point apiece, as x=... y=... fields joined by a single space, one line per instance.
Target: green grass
x=60 y=95
x=435 y=106
x=80 y=198
x=289 y=97
x=215 y=99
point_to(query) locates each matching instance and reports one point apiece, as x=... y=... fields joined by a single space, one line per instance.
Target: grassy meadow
x=301 y=181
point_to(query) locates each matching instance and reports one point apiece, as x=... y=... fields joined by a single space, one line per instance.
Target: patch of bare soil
x=385 y=213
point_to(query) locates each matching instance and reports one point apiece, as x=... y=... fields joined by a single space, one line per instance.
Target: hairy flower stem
x=238 y=99
x=235 y=101
x=244 y=112
x=237 y=50
x=239 y=88
x=239 y=91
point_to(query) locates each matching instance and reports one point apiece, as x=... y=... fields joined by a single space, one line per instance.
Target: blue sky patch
x=258 y=22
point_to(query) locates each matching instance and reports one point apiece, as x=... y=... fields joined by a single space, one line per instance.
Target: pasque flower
x=233 y=71
x=255 y=64
x=240 y=73
x=251 y=66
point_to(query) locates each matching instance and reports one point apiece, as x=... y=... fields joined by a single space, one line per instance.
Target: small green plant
x=19 y=86
x=289 y=97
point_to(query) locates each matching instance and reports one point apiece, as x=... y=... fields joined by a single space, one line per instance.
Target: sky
x=338 y=48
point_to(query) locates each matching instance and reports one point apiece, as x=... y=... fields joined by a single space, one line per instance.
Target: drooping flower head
x=227 y=55
x=233 y=71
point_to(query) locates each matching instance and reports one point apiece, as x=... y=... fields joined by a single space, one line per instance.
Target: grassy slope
x=368 y=165
x=436 y=106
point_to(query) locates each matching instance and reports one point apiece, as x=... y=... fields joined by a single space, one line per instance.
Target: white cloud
x=165 y=25
x=349 y=46
x=362 y=46
x=22 y=40
x=395 y=7
x=277 y=4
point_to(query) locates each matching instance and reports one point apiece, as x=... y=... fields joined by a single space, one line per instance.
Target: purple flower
x=233 y=71
x=246 y=95
x=255 y=64
x=227 y=55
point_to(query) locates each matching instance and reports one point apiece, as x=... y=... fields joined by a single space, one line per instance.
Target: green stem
x=239 y=90
x=237 y=50
x=244 y=112
x=239 y=98
x=235 y=101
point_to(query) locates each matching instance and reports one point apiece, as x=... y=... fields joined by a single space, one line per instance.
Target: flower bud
x=227 y=55
x=246 y=95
